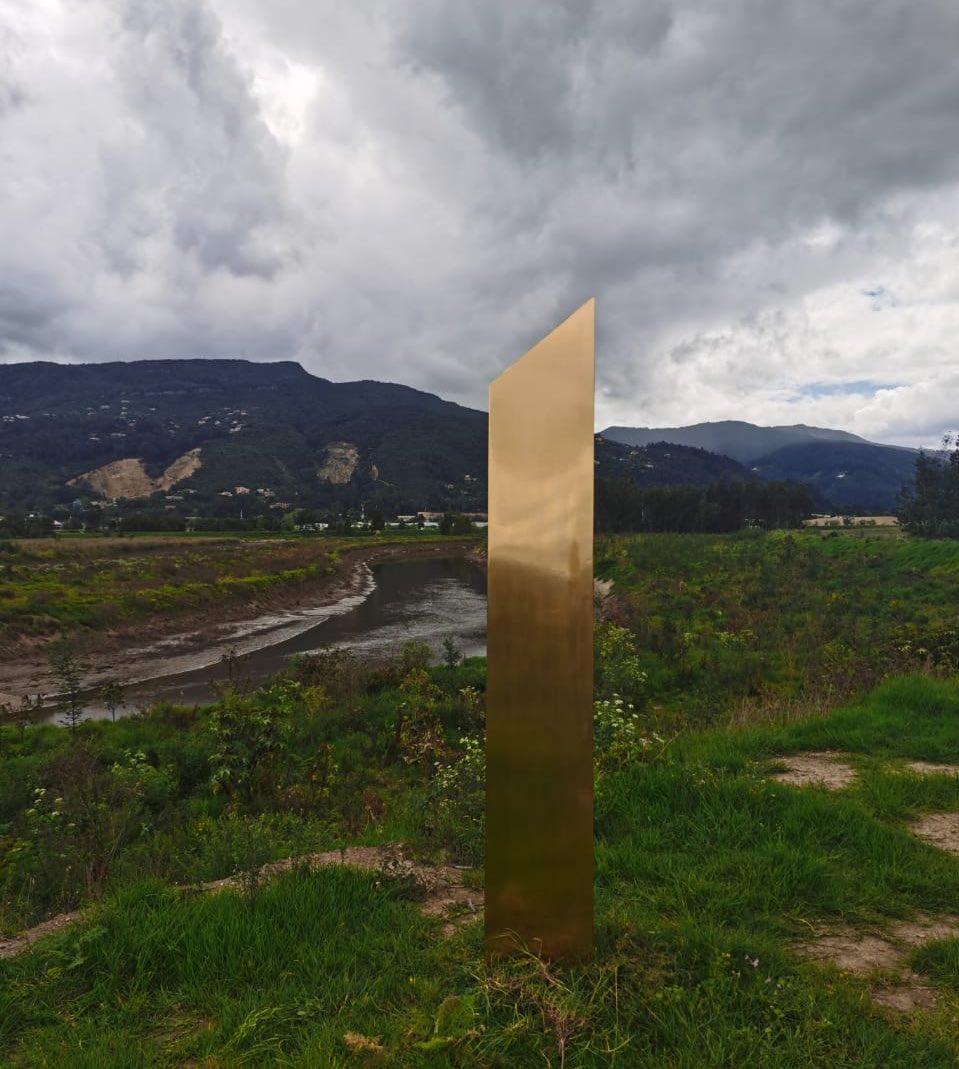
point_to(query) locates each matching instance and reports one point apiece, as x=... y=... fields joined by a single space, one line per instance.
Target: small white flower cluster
x=465 y=775
x=617 y=732
x=45 y=816
x=44 y=811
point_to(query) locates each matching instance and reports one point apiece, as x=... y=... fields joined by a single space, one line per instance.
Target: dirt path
x=881 y=956
x=149 y=649
x=439 y=890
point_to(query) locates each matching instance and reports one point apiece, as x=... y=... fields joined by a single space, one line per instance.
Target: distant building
x=851 y=521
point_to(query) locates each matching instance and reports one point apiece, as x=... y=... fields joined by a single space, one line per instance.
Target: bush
x=618 y=736
x=250 y=741
x=619 y=668
x=81 y=817
x=458 y=800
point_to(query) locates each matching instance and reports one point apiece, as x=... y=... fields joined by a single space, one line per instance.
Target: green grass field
x=750 y=625
x=710 y=874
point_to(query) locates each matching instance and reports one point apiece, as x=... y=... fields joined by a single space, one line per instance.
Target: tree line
x=930 y=505
x=731 y=505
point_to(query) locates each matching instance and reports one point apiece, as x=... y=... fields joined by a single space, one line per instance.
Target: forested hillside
x=233 y=438
x=210 y=431
x=843 y=471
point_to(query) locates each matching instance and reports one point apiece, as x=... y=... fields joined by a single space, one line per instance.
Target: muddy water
x=398 y=601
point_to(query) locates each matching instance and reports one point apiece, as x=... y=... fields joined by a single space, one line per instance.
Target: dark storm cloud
x=416 y=191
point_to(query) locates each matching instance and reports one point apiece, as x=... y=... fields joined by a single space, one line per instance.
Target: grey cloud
x=728 y=179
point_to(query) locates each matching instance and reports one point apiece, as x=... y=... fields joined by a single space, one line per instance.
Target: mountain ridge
x=739 y=439
x=201 y=433
x=842 y=468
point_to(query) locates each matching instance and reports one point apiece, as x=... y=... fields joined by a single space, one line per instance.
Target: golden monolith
x=539 y=742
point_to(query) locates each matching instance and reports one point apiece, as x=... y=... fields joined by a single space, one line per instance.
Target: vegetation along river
x=398 y=602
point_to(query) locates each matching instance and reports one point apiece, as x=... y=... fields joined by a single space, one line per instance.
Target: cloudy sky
x=762 y=195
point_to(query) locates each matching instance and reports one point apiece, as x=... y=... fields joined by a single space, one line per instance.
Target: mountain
x=226 y=435
x=662 y=464
x=855 y=476
x=744 y=442
x=842 y=469
x=232 y=436
x=211 y=431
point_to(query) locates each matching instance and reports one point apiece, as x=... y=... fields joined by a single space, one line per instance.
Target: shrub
x=81 y=818
x=458 y=797
x=619 y=668
x=419 y=734
x=250 y=740
x=618 y=737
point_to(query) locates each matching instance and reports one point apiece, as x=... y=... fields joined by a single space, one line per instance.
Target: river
x=400 y=601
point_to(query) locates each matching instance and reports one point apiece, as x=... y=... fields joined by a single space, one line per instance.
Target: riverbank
x=173 y=637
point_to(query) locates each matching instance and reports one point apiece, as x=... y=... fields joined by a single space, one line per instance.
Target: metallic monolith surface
x=539 y=779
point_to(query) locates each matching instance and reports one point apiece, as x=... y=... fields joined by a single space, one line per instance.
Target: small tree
x=25 y=712
x=111 y=694
x=452 y=654
x=250 y=740
x=930 y=506
x=67 y=669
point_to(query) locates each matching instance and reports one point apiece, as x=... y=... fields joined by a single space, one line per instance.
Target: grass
x=750 y=625
x=707 y=872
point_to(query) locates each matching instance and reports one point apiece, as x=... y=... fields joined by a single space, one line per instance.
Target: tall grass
x=707 y=872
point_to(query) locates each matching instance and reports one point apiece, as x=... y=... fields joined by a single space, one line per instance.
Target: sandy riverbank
x=160 y=646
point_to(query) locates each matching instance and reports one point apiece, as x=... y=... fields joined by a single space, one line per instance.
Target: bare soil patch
x=128 y=478
x=926 y=929
x=932 y=768
x=817 y=769
x=863 y=953
x=10 y=948
x=854 y=952
x=906 y=997
x=438 y=890
x=939 y=829
x=340 y=463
